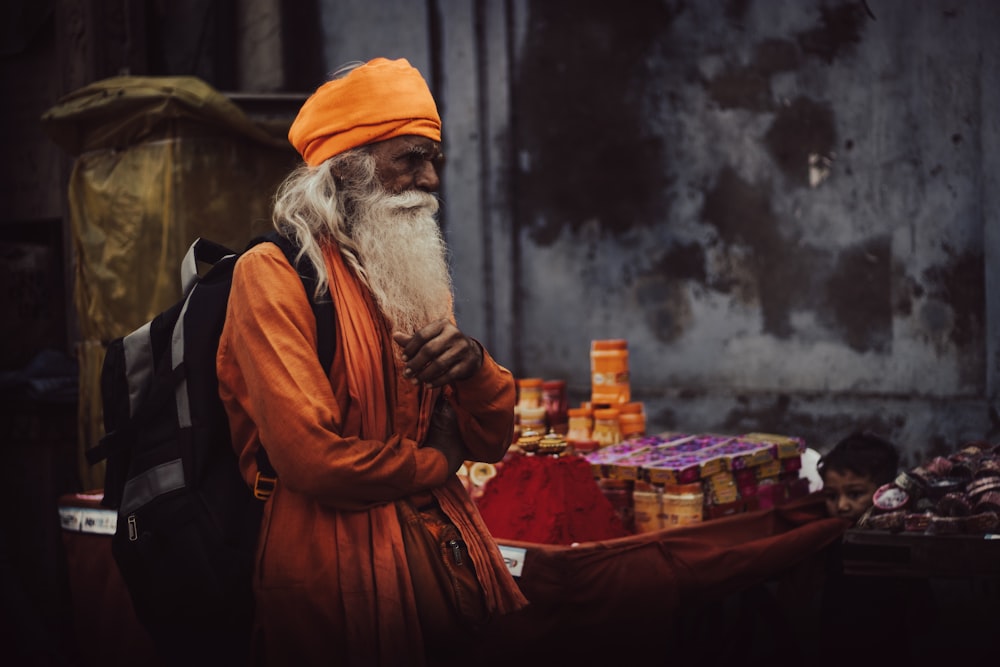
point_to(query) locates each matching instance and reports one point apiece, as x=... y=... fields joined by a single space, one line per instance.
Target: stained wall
x=780 y=205
x=786 y=207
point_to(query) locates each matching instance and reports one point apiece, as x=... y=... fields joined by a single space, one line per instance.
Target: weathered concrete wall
x=361 y=30
x=259 y=62
x=785 y=207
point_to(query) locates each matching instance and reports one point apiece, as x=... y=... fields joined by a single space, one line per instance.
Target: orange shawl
x=452 y=496
x=332 y=584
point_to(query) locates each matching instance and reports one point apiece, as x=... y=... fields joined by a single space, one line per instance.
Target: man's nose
x=843 y=504
x=428 y=179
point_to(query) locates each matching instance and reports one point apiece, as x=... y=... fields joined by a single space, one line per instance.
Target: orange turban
x=379 y=100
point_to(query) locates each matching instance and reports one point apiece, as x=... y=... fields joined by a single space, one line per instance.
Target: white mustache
x=412 y=200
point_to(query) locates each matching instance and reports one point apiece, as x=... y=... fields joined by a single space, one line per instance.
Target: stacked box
x=736 y=473
x=721 y=488
x=786 y=446
x=630 y=466
x=600 y=460
x=741 y=454
x=677 y=469
x=771 y=469
x=776 y=480
x=771 y=493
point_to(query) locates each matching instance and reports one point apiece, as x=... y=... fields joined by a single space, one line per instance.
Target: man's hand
x=439 y=354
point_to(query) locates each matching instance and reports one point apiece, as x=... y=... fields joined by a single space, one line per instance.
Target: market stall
x=783 y=584
x=645 y=594
x=616 y=594
x=724 y=539
x=653 y=548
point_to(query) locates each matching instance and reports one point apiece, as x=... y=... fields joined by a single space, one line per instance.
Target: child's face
x=847 y=494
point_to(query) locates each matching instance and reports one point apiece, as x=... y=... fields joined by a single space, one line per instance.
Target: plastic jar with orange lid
x=683 y=504
x=631 y=420
x=606 y=428
x=647 y=506
x=532 y=418
x=529 y=392
x=609 y=371
x=632 y=425
x=581 y=424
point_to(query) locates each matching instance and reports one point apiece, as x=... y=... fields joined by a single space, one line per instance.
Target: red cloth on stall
x=627 y=598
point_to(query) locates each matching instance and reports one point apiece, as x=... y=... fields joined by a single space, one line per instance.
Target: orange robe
x=332 y=584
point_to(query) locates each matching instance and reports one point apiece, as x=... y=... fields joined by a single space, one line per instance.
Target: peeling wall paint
x=782 y=205
x=766 y=199
x=584 y=149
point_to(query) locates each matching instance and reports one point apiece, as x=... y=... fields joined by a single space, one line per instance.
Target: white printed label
x=70 y=517
x=513 y=557
x=88 y=520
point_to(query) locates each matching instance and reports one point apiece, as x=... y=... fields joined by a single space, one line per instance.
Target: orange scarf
x=372 y=389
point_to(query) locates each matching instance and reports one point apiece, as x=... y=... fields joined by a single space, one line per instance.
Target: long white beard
x=404 y=255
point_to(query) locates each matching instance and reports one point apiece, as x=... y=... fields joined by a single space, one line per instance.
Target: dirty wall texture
x=778 y=204
x=786 y=207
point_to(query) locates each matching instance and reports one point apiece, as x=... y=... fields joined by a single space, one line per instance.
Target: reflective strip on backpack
x=138 y=365
x=189 y=268
x=177 y=357
x=156 y=481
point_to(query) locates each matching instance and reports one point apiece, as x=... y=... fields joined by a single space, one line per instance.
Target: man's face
x=847 y=494
x=408 y=163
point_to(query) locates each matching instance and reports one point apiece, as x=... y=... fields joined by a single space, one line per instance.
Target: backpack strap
x=325 y=315
x=322 y=309
x=201 y=250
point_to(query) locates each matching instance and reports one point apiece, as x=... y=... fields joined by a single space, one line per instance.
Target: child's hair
x=865 y=454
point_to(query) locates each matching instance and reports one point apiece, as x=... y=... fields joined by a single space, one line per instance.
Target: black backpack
x=187 y=521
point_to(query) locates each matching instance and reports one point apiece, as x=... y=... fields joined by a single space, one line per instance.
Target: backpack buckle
x=263 y=486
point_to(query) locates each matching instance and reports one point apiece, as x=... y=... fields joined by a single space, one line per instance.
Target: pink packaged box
x=679 y=469
x=601 y=459
x=791 y=464
x=631 y=465
x=769 y=469
x=786 y=446
x=664 y=439
x=708 y=440
x=772 y=495
x=742 y=454
x=628 y=467
x=712 y=463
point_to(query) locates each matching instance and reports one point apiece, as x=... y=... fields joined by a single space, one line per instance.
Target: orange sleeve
x=276 y=393
x=484 y=404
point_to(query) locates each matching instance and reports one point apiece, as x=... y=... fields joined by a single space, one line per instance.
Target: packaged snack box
x=786 y=446
x=601 y=459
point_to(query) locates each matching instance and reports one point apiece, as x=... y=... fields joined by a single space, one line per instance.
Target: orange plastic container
x=581 y=424
x=529 y=392
x=683 y=504
x=606 y=429
x=609 y=371
x=632 y=424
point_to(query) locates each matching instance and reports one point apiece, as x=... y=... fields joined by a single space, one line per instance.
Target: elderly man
x=370 y=552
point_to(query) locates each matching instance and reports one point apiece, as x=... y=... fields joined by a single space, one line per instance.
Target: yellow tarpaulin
x=159 y=162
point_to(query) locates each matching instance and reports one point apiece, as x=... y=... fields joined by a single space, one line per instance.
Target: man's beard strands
x=400 y=245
